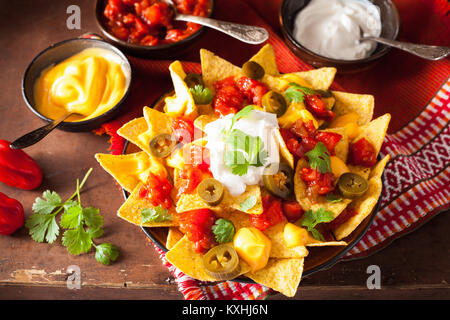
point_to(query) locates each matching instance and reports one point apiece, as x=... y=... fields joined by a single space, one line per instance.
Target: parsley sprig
x=296 y=92
x=313 y=218
x=201 y=94
x=242 y=150
x=81 y=225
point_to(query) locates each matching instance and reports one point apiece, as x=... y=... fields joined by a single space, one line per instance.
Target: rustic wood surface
x=415 y=266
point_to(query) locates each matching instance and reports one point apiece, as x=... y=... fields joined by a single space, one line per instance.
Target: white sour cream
x=258 y=124
x=332 y=28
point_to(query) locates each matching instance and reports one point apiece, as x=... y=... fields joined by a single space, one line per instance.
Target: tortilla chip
x=282 y=275
x=184 y=257
x=284 y=151
x=366 y=203
x=265 y=57
x=375 y=131
x=131 y=131
x=215 y=68
x=173 y=236
x=130 y=169
x=305 y=202
x=361 y=104
x=320 y=79
x=183 y=102
x=131 y=210
x=318 y=243
x=341 y=148
x=188 y=202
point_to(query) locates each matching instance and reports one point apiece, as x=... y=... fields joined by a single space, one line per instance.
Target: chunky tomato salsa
x=150 y=22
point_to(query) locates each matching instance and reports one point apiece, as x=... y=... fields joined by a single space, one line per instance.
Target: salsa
x=150 y=22
x=157 y=189
x=196 y=225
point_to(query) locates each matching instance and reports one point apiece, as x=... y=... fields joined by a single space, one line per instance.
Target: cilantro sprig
x=156 y=214
x=248 y=203
x=296 y=92
x=319 y=158
x=201 y=94
x=223 y=230
x=312 y=218
x=81 y=224
x=242 y=150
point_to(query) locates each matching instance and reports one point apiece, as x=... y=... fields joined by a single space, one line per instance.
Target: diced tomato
x=183 y=129
x=362 y=153
x=158 y=14
x=196 y=225
x=343 y=217
x=292 y=210
x=318 y=184
x=272 y=214
x=318 y=107
x=188 y=179
x=157 y=189
x=228 y=98
x=252 y=90
x=329 y=139
x=303 y=129
x=197 y=156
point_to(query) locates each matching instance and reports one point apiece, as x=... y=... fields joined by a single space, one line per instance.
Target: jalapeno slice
x=162 y=145
x=281 y=183
x=352 y=185
x=274 y=102
x=253 y=70
x=222 y=262
x=193 y=79
x=211 y=191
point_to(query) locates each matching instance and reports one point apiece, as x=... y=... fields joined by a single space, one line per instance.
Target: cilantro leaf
x=72 y=217
x=201 y=94
x=244 y=112
x=248 y=203
x=95 y=233
x=312 y=218
x=296 y=93
x=319 y=158
x=50 y=201
x=42 y=226
x=77 y=241
x=156 y=214
x=333 y=198
x=92 y=218
x=105 y=253
x=223 y=230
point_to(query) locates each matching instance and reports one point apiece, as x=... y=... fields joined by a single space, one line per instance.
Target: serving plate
x=319 y=258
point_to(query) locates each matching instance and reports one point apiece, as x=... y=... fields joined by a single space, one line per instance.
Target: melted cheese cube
x=253 y=247
x=294 y=235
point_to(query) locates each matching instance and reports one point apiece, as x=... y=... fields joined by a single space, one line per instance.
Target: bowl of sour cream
x=328 y=32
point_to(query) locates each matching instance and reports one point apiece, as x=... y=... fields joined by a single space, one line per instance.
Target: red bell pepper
x=11 y=215
x=17 y=169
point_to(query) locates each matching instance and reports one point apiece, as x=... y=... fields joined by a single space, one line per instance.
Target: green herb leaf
x=156 y=214
x=50 y=201
x=296 y=93
x=312 y=218
x=319 y=158
x=223 y=230
x=201 y=95
x=244 y=112
x=92 y=218
x=77 y=241
x=333 y=198
x=72 y=217
x=248 y=203
x=43 y=226
x=105 y=253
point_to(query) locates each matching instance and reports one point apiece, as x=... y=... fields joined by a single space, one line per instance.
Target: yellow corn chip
x=184 y=257
x=341 y=148
x=131 y=210
x=282 y=275
x=130 y=169
x=215 y=68
x=284 y=151
x=361 y=104
x=265 y=57
x=203 y=120
x=366 y=203
x=131 y=131
x=320 y=79
x=173 y=236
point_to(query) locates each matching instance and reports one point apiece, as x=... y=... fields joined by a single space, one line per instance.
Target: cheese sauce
x=332 y=28
x=89 y=83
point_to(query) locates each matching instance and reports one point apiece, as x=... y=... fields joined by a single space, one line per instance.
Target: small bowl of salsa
x=145 y=28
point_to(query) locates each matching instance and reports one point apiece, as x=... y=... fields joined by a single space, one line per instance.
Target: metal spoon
x=421 y=50
x=37 y=135
x=245 y=33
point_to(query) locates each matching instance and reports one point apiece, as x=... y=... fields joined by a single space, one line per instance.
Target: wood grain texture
x=415 y=266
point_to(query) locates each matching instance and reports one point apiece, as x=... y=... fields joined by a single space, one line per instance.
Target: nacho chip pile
x=322 y=136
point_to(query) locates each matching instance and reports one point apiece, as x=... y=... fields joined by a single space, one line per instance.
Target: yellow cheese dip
x=89 y=83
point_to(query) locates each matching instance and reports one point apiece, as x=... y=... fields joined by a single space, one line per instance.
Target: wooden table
x=415 y=266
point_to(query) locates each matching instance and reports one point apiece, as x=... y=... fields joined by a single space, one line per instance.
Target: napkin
x=416 y=92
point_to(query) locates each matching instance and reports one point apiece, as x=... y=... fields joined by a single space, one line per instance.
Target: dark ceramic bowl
x=59 y=52
x=319 y=258
x=390 y=21
x=163 y=51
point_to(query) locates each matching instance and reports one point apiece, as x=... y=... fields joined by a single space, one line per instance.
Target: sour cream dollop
x=332 y=28
x=257 y=124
